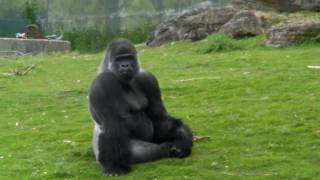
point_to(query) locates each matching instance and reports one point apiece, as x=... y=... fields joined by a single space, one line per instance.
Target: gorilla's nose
x=126 y=67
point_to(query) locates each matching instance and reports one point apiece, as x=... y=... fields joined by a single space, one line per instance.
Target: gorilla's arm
x=166 y=127
x=105 y=106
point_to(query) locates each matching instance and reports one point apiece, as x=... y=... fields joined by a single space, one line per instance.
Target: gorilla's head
x=122 y=59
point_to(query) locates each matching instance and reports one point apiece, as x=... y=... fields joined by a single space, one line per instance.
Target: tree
x=112 y=8
x=29 y=12
x=158 y=6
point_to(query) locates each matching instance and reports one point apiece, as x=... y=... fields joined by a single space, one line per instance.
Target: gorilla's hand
x=118 y=171
x=178 y=150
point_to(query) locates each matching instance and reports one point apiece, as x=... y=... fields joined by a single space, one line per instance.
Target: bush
x=29 y=11
x=309 y=42
x=94 y=40
x=223 y=42
x=87 y=41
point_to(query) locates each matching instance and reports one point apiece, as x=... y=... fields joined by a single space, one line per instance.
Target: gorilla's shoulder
x=146 y=77
x=147 y=82
x=106 y=77
x=105 y=81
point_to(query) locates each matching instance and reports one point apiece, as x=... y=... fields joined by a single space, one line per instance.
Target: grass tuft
x=223 y=42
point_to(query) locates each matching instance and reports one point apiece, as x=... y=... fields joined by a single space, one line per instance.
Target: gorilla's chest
x=139 y=124
x=136 y=101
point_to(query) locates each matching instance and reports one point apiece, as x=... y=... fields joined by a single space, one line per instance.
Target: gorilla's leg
x=96 y=133
x=176 y=132
x=112 y=154
x=142 y=151
x=182 y=140
x=114 y=164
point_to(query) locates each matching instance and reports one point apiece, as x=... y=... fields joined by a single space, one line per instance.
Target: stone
x=167 y=31
x=243 y=24
x=192 y=25
x=279 y=5
x=289 y=33
x=199 y=26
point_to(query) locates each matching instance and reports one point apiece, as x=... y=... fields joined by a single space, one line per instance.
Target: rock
x=168 y=30
x=293 y=32
x=194 y=25
x=313 y=5
x=264 y=20
x=199 y=26
x=243 y=24
x=279 y=5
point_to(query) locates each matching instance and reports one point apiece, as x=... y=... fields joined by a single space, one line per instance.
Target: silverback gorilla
x=131 y=121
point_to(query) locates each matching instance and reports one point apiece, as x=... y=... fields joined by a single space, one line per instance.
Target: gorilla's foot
x=179 y=152
x=117 y=171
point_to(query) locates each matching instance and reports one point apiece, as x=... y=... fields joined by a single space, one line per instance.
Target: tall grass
x=93 y=40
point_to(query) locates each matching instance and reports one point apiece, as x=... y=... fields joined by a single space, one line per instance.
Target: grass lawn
x=259 y=106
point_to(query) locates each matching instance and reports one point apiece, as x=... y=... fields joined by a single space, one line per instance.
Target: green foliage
x=223 y=42
x=138 y=35
x=94 y=40
x=29 y=11
x=88 y=41
x=309 y=41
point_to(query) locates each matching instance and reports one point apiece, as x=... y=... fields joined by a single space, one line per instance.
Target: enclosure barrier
x=33 y=46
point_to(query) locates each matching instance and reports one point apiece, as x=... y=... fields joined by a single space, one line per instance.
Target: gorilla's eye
x=125 y=58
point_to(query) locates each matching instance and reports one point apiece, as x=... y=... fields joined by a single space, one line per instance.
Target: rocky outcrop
x=243 y=24
x=279 y=5
x=194 y=25
x=292 y=32
x=198 y=24
x=201 y=25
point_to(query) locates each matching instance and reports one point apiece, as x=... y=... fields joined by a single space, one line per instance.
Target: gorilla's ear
x=105 y=63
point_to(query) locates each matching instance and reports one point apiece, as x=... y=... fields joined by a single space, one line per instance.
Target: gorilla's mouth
x=126 y=73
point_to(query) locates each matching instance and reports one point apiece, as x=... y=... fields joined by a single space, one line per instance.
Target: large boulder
x=168 y=30
x=243 y=24
x=199 y=26
x=194 y=25
x=279 y=5
x=293 y=32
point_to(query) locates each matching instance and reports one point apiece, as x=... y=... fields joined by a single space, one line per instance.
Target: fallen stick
x=199 y=138
x=200 y=78
x=314 y=67
x=7 y=74
x=28 y=69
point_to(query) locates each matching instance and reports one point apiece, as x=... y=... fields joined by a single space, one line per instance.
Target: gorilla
x=132 y=124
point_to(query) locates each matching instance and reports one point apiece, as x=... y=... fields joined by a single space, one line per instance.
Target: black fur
x=132 y=124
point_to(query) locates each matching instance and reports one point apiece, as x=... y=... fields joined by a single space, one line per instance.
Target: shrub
x=223 y=42
x=94 y=40
x=87 y=41
x=29 y=11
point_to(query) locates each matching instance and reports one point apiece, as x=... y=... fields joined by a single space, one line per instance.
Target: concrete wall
x=34 y=46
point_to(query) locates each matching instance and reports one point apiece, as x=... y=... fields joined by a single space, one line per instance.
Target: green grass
x=223 y=42
x=260 y=107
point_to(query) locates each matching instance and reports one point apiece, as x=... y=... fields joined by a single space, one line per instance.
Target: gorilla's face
x=122 y=60
x=125 y=66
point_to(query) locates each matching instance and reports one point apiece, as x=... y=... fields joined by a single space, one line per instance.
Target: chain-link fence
x=89 y=24
x=69 y=15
